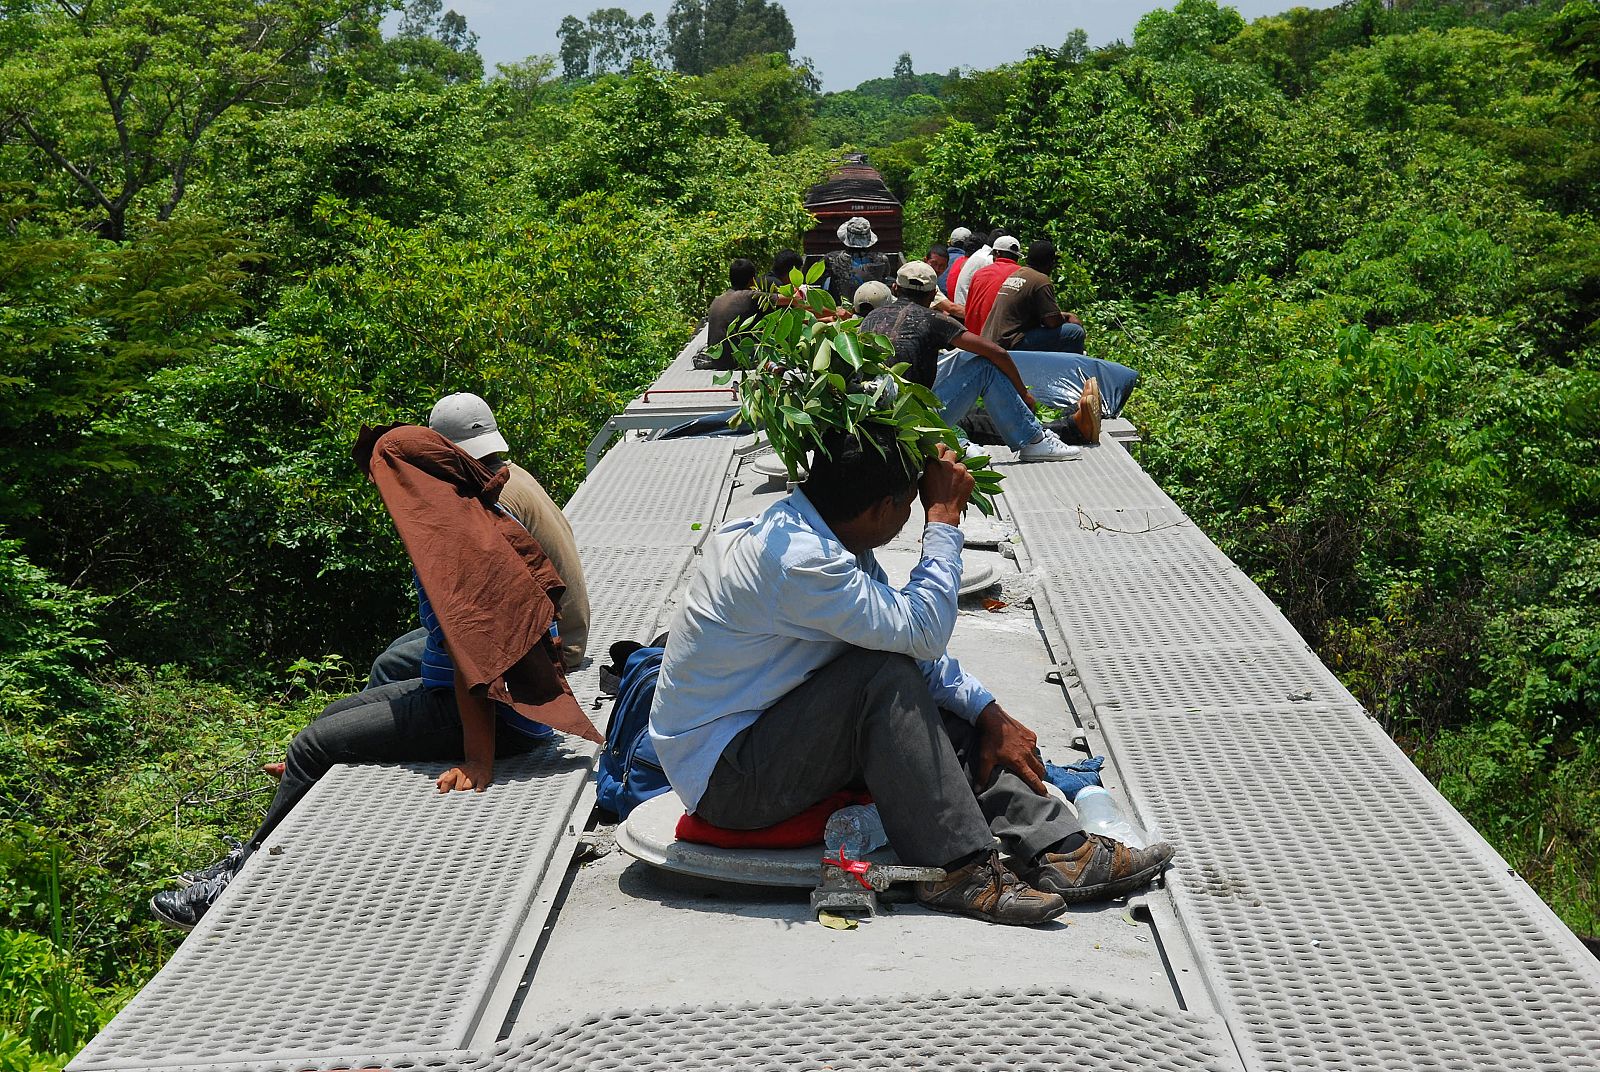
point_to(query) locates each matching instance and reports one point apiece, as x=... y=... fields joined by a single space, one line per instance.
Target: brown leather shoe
x=1099 y=869
x=986 y=889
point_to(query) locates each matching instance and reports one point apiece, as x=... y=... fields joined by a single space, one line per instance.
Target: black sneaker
x=228 y=865
x=186 y=907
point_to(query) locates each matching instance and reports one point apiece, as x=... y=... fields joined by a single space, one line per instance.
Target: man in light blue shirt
x=793 y=670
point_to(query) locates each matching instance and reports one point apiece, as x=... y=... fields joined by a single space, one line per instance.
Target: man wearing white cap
x=956 y=250
x=856 y=264
x=468 y=422
x=981 y=258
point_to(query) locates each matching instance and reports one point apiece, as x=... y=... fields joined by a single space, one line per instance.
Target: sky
x=851 y=43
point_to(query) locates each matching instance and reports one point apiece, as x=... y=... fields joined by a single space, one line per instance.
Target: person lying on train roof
x=919 y=335
x=793 y=671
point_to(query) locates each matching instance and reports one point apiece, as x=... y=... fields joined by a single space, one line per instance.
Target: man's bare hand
x=464 y=776
x=1028 y=400
x=1005 y=742
x=945 y=486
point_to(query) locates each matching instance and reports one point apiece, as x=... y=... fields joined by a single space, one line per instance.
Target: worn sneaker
x=228 y=865
x=986 y=889
x=972 y=450
x=184 y=908
x=1048 y=448
x=1100 y=868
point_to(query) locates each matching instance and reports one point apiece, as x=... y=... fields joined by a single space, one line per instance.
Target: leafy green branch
x=808 y=374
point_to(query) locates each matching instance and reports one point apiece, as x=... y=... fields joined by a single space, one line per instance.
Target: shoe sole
x=954 y=911
x=155 y=910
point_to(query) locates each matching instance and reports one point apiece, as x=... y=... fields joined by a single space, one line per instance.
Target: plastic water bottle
x=1099 y=814
x=857 y=829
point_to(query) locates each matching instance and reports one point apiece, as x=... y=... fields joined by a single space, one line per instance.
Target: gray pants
x=392 y=723
x=867 y=720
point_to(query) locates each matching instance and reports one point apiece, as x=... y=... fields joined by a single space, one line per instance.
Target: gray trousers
x=867 y=720
x=395 y=723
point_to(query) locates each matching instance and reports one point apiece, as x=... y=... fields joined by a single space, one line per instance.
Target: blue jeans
x=400 y=661
x=1056 y=379
x=1066 y=339
x=966 y=378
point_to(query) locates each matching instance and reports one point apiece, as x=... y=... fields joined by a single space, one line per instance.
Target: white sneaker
x=1048 y=448
x=972 y=450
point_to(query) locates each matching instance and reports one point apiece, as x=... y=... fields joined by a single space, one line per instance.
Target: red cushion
x=795 y=832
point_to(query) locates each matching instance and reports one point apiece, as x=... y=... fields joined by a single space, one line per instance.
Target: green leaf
x=814 y=272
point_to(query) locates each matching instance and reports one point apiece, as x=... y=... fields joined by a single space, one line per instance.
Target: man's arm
x=1048 y=310
x=476 y=769
x=1005 y=742
x=837 y=600
x=1000 y=359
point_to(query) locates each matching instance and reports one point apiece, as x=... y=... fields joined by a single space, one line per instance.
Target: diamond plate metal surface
x=999 y=1031
x=629 y=588
x=663 y=488
x=374 y=919
x=1347 y=917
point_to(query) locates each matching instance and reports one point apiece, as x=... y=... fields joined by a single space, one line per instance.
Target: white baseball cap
x=468 y=422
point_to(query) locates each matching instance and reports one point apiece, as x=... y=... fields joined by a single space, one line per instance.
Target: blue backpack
x=629 y=772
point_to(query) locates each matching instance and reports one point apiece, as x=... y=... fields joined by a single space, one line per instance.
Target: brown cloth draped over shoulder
x=489 y=581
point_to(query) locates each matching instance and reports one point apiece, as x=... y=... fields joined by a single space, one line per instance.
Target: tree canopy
x=1352 y=251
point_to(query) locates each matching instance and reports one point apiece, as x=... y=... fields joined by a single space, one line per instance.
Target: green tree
x=904 y=75
x=703 y=35
x=766 y=96
x=1190 y=25
x=118 y=99
x=611 y=40
x=575 y=47
x=434 y=48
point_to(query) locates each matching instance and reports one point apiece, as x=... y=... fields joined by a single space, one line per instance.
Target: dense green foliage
x=1353 y=252
x=182 y=533
x=698 y=37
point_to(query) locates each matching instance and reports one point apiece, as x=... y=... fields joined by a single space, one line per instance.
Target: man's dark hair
x=785 y=262
x=855 y=471
x=741 y=273
x=1042 y=255
x=939 y=251
x=994 y=234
